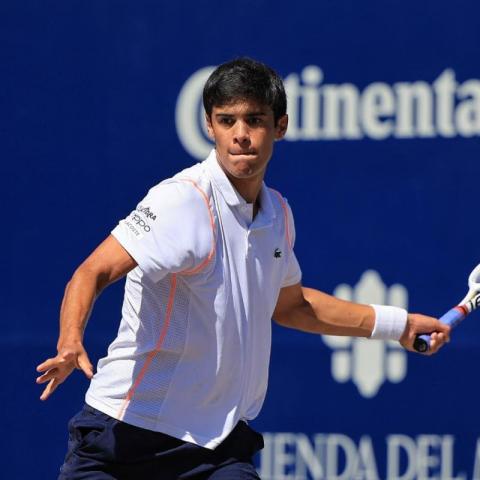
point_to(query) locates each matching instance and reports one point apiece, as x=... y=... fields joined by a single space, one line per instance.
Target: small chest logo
x=277 y=253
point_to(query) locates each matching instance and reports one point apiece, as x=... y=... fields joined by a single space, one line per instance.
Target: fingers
x=54 y=377
x=439 y=337
x=50 y=388
x=47 y=365
x=445 y=329
x=58 y=361
x=437 y=341
x=56 y=370
x=47 y=376
x=85 y=366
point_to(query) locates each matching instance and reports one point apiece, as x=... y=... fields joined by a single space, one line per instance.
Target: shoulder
x=283 y=210
x=280 y=203
x=182 y=206
x=186 y=194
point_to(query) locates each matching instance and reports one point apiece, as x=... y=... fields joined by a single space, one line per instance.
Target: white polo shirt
x=192 y=353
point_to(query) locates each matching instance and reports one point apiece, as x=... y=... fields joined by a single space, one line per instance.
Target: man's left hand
x=418 y=324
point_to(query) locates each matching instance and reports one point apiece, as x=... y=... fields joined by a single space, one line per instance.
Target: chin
x=242 y=172
x=243 y=166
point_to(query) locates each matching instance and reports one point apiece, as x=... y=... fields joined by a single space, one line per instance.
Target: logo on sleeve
x=140 y=223
x=147 y=212
x=277 y=253
x=136 y=224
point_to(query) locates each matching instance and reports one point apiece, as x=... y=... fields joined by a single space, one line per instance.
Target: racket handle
x=452 y=318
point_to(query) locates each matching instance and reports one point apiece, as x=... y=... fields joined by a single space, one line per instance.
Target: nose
x=241 y=133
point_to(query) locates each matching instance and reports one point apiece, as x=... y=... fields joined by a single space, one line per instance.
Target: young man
x=209 y=257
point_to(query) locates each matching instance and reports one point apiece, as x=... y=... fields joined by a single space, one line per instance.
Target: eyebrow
x=249 y=114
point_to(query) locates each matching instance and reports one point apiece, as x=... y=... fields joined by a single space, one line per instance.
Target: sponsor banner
x=318 y=110
x=336 y=456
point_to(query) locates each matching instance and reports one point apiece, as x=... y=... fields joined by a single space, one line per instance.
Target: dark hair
x=245 y=79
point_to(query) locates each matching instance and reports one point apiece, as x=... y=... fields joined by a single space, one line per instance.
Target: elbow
x=283 y=319
x=85 y=275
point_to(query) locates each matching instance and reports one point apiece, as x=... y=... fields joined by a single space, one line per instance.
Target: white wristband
x=390 y=322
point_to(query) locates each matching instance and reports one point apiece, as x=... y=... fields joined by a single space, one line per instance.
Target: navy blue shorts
x=101 y=447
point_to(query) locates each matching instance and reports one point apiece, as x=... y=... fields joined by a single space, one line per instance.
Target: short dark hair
x=245 y=79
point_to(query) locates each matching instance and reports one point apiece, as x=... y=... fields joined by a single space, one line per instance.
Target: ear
x=281 y=127
x=210 y=131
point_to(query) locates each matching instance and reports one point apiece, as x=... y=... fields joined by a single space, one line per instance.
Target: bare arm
x=108 y=263
x=313 y=311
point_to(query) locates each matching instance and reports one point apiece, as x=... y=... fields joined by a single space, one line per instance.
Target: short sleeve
x=170 y=230
x=293 y=272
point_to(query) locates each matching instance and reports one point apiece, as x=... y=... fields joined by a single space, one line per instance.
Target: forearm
x=109 y=262
x=313 y=311
x=324 y=314
x=80 y=295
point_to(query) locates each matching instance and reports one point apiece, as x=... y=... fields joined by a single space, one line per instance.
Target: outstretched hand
x=57 y=369
x=419 y=324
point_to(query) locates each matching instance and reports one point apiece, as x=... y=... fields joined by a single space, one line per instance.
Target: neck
x=248 y=188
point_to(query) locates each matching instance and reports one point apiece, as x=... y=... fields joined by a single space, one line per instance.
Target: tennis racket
x=455 y=315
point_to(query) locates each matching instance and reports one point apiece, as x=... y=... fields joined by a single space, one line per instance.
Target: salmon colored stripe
x=285 y=214
x=212 y=225
x=158 y=346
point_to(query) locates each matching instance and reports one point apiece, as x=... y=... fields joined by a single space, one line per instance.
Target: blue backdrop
x=100 y=101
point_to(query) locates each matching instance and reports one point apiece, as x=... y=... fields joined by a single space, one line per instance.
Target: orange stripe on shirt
x=153 y=353
x=205 y=262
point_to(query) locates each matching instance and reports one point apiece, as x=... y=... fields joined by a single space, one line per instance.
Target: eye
x=254 y=121
x=227 y=121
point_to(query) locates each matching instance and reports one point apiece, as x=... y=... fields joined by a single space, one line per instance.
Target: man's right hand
x=56 y=370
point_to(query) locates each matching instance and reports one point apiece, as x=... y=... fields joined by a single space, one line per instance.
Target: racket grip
x=453 y=317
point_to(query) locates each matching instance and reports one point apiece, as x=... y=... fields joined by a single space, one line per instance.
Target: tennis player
x=209 y=260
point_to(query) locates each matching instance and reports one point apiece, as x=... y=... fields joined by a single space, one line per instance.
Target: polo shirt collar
x=231 y=196
x=266 y=212
x=223 y=184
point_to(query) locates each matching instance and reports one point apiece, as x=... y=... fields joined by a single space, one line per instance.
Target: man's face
x=244 y=133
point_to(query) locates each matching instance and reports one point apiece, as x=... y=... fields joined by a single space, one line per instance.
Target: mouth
x=243 y=154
